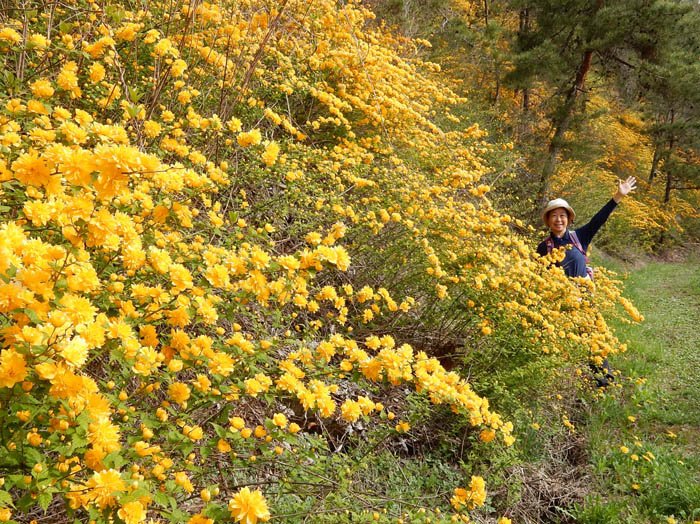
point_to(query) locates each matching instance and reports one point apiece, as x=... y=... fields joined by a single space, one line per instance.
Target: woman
x=558 y=215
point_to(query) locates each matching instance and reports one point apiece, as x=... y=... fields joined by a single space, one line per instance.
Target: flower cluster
x=194 y=280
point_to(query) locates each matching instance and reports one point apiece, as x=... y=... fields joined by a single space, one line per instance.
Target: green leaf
x=177 y=515
x=65 y=27
x=44 y=499
x=83 y=419
x=135 y=495
x=78 y=441
x=33 y=455
x=161 y=498
x=170 y=486
x=217 y=512
x=187 y=448
x=10 y=458
x=25 y=502
x=134 y=94
x=133 y=110
x=6 y=498
x=114 y=460
x=16 y=481
x=10 y=82
x=9 y=274
x=115 y=13
x=32 y=315
x=220 y=431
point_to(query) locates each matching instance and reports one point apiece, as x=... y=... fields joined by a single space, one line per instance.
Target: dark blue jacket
x=574 y=262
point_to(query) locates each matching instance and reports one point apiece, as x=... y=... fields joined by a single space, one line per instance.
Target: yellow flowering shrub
x=225 y=226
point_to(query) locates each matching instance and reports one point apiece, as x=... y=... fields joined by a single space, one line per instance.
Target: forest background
x=274 y=260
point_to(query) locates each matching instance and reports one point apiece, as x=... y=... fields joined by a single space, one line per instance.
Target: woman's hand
x=623 y=188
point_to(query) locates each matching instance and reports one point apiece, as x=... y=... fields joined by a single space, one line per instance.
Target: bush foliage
x=232 y=237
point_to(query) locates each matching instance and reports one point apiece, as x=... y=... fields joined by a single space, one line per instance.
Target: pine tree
x=566 y=40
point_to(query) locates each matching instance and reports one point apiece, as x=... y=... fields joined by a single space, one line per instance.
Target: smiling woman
x=557 y=216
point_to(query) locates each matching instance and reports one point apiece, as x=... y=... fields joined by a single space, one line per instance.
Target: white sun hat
x=557 y=203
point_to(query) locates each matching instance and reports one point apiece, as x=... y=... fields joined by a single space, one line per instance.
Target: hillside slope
x=248 y=253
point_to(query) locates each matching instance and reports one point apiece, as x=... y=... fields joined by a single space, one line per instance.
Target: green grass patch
x=643 y=437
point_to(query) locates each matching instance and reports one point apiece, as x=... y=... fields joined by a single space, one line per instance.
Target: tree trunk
x=658 y=154
x=667 y=197
x=562 y=126
x=526 y=100
x=563 y=119
x=486 y=12
x=655 y=163
x=667 y=192
x=524 y=29
x=497 y=96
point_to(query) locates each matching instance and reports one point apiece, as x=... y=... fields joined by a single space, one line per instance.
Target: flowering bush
x=226 y=228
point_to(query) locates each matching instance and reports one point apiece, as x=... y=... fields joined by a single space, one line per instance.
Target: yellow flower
x=103 y=487
x=68 y=79
x=193 y=432
x=151 y=128
x=42 y=88
x=487 y=435
x=234 y=125
x=179 y=392
x=75 y=351
x=34 y=439
x=259 y=258
x=249 y=506
x=163 y=47
x=280 y=420
x=402 y=426
x=13 y=368
x=249 y=138
x=350 y=410
x=182 y=480
x=199 y=518
x=151 y=36
x=269 y=157
x=35 y=106
x=237 y=422
x=104 y=434
x=8 y=34
x=14 y=105
x=132 y=512
x=178 y=67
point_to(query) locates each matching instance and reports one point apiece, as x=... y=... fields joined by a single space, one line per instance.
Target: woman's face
x=558 y=220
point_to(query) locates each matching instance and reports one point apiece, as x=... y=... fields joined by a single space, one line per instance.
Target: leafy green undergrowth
x=644 y=437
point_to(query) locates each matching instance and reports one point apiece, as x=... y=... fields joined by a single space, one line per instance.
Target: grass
x=644 y=438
